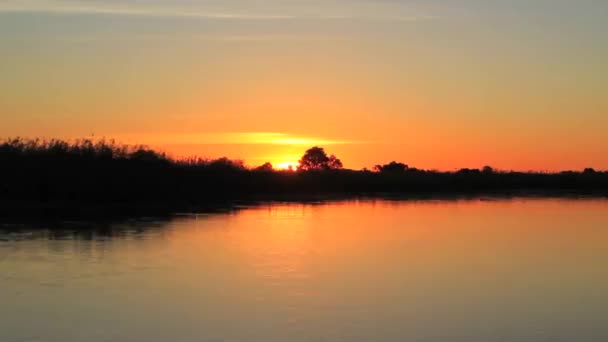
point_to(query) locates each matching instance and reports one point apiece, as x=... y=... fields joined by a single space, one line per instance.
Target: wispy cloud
x=68 y=8
x=129 y=8
x=228 y=38
x=237 y=138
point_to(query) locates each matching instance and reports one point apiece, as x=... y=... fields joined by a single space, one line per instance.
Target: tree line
x=101 y=172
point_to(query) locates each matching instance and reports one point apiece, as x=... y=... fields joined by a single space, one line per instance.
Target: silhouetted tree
x=467 y=171
x=487 y=170
x=266 y=167
x=225 y=164
x=315 y=158
x=391 y=167
x=143 y=155
x=334 y=163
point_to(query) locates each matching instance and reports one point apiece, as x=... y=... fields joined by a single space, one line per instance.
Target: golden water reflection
x=506 y=270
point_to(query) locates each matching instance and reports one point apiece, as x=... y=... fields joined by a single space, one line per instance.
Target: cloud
x=236 y=138
x=227 y=38
x=73 y=8
x=246 y=11
x=263 y=138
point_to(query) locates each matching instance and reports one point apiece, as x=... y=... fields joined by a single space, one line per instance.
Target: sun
x=286 y=165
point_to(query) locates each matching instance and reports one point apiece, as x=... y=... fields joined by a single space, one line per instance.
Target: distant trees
x=266 y=167
x=142 y=155
x=315 y=158
x=225 y=164
x=58 y=173
x=392 y=167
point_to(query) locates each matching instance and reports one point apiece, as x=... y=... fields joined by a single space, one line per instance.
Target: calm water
x=520 y=270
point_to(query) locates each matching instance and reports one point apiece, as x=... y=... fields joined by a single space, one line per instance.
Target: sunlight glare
x=286 y=165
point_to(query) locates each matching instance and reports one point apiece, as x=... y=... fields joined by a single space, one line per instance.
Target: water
x=505 y=270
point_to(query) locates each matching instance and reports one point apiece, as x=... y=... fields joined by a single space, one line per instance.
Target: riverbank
x=19 y=211
x=86 y=178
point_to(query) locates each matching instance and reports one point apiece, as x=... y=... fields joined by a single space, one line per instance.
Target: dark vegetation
x=55 y=173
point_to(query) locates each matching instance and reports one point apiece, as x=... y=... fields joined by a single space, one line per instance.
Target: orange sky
x=435 y=85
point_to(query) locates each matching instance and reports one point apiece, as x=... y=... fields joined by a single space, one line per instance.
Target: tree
x=391 y=167
x=487 y=170
x=315 y=158
x=334 y=163
x=266 y=167
x=225 y=164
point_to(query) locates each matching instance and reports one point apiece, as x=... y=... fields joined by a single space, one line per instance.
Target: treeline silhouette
x=56 y=172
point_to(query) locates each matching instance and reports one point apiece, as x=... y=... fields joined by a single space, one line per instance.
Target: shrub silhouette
x=487 y=170
x=266 y=167
x=391 y=167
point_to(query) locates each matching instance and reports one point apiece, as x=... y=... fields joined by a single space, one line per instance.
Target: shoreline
x=20 y=210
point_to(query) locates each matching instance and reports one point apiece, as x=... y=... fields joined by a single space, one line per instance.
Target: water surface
x=494 y=270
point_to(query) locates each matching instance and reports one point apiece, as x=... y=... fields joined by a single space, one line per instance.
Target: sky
x=436 y=84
